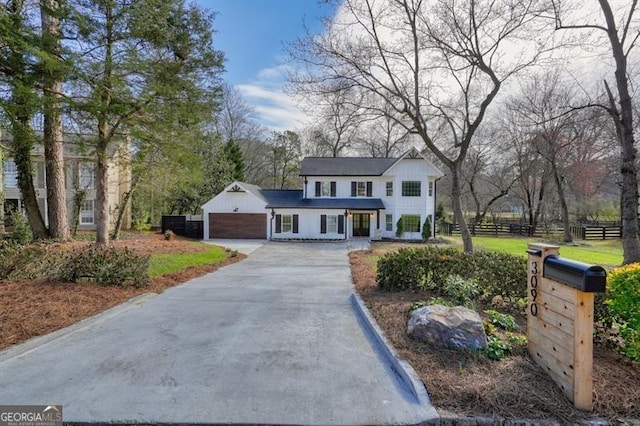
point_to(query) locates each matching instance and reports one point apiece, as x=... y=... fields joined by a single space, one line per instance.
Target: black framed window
x=411 y=188
x=411 y=222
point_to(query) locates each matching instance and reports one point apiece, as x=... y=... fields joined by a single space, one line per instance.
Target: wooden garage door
x=238 y=225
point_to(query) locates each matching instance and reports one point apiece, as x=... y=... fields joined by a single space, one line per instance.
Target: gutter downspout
x=273 y=215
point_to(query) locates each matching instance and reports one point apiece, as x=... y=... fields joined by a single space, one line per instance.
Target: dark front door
x=361 y=224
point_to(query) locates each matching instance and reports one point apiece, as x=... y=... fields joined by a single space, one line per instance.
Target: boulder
x=439 y=325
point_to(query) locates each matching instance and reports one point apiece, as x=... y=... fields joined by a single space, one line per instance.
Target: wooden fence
x=582 y=232
x=179 y=225
x=596 y=232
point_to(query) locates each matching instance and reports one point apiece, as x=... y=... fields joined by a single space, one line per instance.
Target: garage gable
x=238 y=197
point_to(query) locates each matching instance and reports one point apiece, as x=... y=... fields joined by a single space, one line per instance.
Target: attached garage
x=238 y=212
x=238 y=225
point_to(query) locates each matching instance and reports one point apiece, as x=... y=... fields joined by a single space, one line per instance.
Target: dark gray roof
x=293 y=199
x=345 y=166
x=281 y=197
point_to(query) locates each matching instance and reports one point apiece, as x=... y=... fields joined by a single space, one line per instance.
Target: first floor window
x=389 y=222
x=332 y=224
x=10 y=174
x=411 y=188
x=411 y=222
x=86 y=213
x=286 y=223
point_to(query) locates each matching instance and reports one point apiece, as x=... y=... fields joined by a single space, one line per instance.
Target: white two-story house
x=341 y=198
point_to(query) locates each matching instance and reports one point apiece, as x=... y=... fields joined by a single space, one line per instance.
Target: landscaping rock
x=456 y=327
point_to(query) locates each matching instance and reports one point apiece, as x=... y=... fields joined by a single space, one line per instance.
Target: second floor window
x=87 y=176
x=362 y=189
x=389 y=189
x=411 y=188
x=325 y=189
x=10 y=174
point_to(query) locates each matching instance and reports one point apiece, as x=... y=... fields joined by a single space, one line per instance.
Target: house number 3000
x=534 y=284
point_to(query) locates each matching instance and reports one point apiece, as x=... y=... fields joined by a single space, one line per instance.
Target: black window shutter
x=318 y=188
x=295 y=223
x=333 y=189
x=369 y=189
x=340 y=224
x=354 y=188
x=323 y=224
x=278 y=223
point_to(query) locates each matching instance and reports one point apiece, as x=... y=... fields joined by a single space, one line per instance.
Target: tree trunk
x=122 y=209
x=566 y=226
x=456 y=193
x=1 y=189
x=53 y=138
x=101 y=207
x=102 y=189
x=22 y=144
x=623 y=119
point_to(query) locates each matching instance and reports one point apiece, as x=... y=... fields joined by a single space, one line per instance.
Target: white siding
x=232 y=202
x=308 y=224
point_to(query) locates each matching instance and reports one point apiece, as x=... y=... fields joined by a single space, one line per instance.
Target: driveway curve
x=270 y=340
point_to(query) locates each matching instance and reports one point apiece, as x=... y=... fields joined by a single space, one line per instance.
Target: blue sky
x=252 y=34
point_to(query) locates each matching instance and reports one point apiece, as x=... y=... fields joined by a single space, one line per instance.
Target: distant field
x=608 y=253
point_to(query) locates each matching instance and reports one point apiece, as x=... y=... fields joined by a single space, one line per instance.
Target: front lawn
x=606 y=253
x=169 y=263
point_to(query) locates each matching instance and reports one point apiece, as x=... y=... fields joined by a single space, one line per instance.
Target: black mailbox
x=584 y=277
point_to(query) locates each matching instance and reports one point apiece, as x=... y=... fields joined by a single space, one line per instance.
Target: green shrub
x=26 y=262
x=496 y=348
x=504 y=321
x=623 y=302
x=428 y=268
x=110 y=266
x=440 y=301
x=21 y=230
x=461 y=291
x=399 y=228
x=426 y=229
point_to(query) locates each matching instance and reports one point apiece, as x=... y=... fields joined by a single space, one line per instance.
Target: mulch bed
x=34 y=308
x=469 y=384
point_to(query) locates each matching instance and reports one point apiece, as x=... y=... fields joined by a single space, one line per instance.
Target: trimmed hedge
x=429 y=267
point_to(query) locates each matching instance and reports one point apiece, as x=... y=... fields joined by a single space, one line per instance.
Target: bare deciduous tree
x=622 y=32
x=438 y=64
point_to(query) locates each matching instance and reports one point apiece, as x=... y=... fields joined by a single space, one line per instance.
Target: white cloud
x=276 y=109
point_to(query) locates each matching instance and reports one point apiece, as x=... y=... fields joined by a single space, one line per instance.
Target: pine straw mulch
x=468 y=384
x=34 y=308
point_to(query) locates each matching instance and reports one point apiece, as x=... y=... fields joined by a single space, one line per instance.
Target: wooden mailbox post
x=560 y=319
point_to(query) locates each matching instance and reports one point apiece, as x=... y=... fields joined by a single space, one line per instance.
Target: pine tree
x=233 y=154
x=18 y=67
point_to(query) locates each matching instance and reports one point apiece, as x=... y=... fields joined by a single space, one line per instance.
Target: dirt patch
x=469 y=384
x=34 y=308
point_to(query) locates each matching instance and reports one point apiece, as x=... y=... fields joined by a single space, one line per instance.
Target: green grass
x=607 y=253
x=162 y=264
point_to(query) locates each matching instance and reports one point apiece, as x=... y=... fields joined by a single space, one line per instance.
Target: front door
x=361 y=224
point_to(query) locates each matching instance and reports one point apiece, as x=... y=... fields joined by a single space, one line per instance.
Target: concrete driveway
x=270 y=340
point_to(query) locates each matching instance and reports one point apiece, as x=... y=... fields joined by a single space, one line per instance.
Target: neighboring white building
x=341 y=198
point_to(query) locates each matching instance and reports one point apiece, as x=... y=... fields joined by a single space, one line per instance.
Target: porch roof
x=294 y=200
